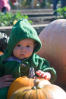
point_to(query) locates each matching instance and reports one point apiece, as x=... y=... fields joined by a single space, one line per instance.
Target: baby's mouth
x=22 y=54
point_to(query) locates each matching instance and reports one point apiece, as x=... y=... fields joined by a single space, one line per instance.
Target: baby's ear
x=35 y=44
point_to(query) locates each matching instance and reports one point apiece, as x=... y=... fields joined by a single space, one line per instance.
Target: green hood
x=22 y=30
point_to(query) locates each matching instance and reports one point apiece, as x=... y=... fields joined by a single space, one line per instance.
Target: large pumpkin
x=47 y=91
x=53 y=39
x=22 y=82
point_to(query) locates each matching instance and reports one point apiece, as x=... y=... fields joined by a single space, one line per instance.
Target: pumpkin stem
x=36 y=82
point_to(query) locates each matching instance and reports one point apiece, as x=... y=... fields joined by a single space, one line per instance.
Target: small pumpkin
x=1 y=53
x=22 y=82
x=47 y=91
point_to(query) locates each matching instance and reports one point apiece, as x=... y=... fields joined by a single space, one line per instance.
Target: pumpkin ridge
x=30 y=96
x=25 y=92
x=44 y=94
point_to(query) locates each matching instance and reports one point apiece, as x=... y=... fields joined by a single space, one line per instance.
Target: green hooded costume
x=12 y=66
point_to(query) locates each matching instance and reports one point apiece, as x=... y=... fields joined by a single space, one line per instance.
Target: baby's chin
x=22 y=56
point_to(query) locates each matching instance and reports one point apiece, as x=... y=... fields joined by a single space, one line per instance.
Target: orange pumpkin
x=22 y=82
x=53 y=39
x=47 y=91
x=1 y=53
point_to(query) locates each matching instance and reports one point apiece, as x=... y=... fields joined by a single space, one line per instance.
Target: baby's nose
x=23 y=48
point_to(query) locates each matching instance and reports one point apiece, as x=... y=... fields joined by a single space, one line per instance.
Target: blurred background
x=19 y=4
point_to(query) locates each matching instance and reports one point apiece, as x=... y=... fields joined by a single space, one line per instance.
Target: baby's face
x=24 y=49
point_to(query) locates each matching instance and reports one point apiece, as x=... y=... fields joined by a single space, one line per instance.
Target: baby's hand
x=45 y=75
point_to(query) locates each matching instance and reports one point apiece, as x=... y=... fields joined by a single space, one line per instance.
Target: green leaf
x=8 y=18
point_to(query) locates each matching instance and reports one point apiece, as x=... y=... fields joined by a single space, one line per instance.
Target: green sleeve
x=3 y=93
x=10 y=68
x=43 y=64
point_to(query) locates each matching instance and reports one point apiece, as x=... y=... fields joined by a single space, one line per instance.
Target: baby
x=20 y=58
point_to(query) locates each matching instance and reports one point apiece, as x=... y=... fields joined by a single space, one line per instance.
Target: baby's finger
x=47 y=76
x=38 y=73
x=5 y=84
x=42 y=75
x=9 y=79
x=6 y=78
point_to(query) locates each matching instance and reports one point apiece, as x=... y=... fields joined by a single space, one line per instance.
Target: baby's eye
x=27 y=46
x=18 y=45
